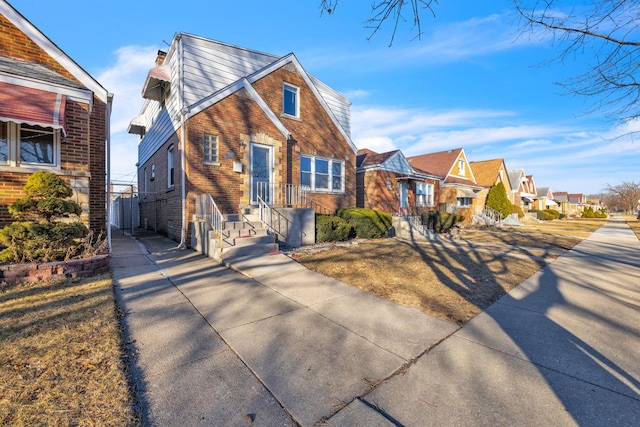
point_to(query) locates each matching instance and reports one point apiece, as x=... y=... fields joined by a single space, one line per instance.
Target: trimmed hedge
x=367 y=223
x=330 y=228
x=440 y=221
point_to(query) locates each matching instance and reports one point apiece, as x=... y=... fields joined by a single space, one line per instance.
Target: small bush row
x=440 y=222
x=588 y=212
x=549 y=214
x=352 y=222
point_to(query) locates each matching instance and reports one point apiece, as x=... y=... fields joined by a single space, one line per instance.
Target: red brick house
x=53 y=116
x=459 y=189
x=235 y=124
x=387 y=182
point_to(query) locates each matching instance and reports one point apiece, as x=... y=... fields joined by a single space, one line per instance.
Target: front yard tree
x=498 y=201
x=48 y=226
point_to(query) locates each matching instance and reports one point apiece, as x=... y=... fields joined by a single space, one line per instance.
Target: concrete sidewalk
x=281 y=345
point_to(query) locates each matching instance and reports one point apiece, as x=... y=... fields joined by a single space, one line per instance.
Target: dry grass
x=60 y=359
x=634 y=223
x=580 y=228
x=450 y=281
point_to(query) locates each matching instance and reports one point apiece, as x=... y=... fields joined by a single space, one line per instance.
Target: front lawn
x=60 y=357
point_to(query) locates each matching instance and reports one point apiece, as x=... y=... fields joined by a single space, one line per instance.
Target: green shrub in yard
x=517 y=209
x=367 y=223
x=588 y=212
x=554 y=213
x=498 y=201
x=544 y=215
x=440 y=222
x=48 y=226
x=331 y=228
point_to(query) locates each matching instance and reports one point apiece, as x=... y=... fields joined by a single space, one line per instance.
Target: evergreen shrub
x=331 y=228
x=367 y=223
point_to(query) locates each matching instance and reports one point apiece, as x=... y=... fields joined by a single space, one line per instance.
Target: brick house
x=459 y=190
x=387 y=182
x=489 y=173
x=236 y=124
x=53 y=116
x=523 y=189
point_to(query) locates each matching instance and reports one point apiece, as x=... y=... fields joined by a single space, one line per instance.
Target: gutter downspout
x=183 y=156
x=183 y=232
x=108 y=165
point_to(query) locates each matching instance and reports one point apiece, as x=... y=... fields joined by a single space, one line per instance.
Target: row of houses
x=448 y=181
x=231 y=125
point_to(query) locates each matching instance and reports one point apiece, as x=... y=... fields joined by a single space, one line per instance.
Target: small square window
x=290 y=100
x=210 y=148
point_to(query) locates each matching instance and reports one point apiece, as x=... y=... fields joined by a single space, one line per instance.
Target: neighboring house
x=544 y=199
x=576 y=203
x=522 y=189
x=562 y=199
x=489 y=173
x=237 y=124
x=53 y=116
x=387 y=182
x=459 y=190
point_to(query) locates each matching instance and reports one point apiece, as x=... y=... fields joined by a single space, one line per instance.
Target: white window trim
x=428 y=194
x=330 y=188
x=292 y=88
x=13 y=149
x=461 y=167
x=460 y=205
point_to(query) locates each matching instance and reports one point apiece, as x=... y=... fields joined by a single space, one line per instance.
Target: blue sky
x=473 y=81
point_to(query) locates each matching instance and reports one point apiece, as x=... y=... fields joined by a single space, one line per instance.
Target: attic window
x=461 y=167
x=290 y=100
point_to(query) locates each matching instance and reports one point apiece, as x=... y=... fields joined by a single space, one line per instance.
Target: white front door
x=261 y=173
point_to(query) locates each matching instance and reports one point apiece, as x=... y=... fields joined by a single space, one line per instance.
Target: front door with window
x=404 y=198
x=261 y=173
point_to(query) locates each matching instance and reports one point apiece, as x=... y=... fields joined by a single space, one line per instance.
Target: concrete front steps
x=241 y=235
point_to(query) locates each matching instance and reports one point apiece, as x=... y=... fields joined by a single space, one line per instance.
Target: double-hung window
x=290 y=100
x=322 y=174
x=25 y=145
x=464 y=202
x=424 y=194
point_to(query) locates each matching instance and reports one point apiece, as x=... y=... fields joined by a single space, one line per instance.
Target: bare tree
x=605 y=32
x=393 y=11
x=625 y=195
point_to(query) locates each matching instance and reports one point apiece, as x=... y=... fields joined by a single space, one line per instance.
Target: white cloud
x=124 y=79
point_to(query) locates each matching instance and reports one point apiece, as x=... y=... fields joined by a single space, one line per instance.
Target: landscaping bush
x=600 y=214
x=588 y=212
x=367 y=223
x=544 y=215
x=554 y=213
x=49 y=229
x=517 y=209
x=440 y=222
x=498 y=201
x=331 y=228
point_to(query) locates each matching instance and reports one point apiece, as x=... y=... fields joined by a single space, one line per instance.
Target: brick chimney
x=160 y=58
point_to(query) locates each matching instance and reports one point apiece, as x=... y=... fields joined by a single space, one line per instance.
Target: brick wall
x=161 y=206
x=82 y=153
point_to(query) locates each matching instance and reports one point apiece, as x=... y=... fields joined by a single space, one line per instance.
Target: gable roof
x=30 y=30
x=246 y=83
x=487 y=172
x=441 y=164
